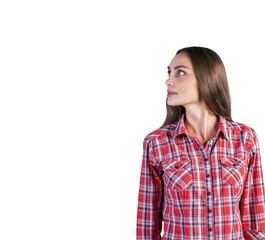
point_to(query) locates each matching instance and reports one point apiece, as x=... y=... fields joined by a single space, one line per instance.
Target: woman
x=201 y=172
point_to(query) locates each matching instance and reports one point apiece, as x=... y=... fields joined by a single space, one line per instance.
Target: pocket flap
x=234 y=171
x=179 y=174
x=232 y=162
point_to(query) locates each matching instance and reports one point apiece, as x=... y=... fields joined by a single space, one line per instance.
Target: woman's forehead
x=180 y=59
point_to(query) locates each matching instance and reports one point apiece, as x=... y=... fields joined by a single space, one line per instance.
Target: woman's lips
x=171 y=94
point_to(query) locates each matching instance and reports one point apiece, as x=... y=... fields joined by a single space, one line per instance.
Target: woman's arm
x=149 y=214
x=252 y=203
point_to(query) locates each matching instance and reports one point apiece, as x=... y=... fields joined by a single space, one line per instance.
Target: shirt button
x=176 y=166
x=205 y=159
x=209 y=210
x=210 y=229
x=234 y=164
x=208 y=193
x=207 y=175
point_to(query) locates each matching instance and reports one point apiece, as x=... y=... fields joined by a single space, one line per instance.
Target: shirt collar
x=180 y=127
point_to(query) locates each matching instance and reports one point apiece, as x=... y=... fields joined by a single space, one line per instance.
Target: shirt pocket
x=233 y=170
x=179 y=175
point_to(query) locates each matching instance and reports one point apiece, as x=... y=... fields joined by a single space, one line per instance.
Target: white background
x=82 y=84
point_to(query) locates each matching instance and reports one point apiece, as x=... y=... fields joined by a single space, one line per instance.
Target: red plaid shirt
x=213 y=192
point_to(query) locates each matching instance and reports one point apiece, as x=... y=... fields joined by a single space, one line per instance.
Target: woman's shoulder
x=247 y=133
x=244 y=127
x=161 y=132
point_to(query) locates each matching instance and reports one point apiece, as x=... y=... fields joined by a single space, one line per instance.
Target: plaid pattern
x=212 y=192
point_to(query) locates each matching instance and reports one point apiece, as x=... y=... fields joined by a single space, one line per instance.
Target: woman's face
x=182 y=81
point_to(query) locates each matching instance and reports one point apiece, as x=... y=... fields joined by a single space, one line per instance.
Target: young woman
x=201 y=172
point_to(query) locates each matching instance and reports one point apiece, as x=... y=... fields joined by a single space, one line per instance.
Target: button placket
x=209 y=201
x=209 y=194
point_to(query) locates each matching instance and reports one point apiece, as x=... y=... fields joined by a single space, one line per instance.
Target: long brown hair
x=212 y=83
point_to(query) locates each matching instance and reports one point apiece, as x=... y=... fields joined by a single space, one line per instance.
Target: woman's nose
x=168 y=82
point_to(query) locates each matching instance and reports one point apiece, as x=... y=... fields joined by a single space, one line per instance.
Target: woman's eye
x=181 y=71
x=177 y=72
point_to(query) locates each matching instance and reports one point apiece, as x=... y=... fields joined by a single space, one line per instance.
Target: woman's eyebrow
x=177 y=67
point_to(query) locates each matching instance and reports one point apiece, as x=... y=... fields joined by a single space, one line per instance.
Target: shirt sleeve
x=150 y=198
x=252 y=202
